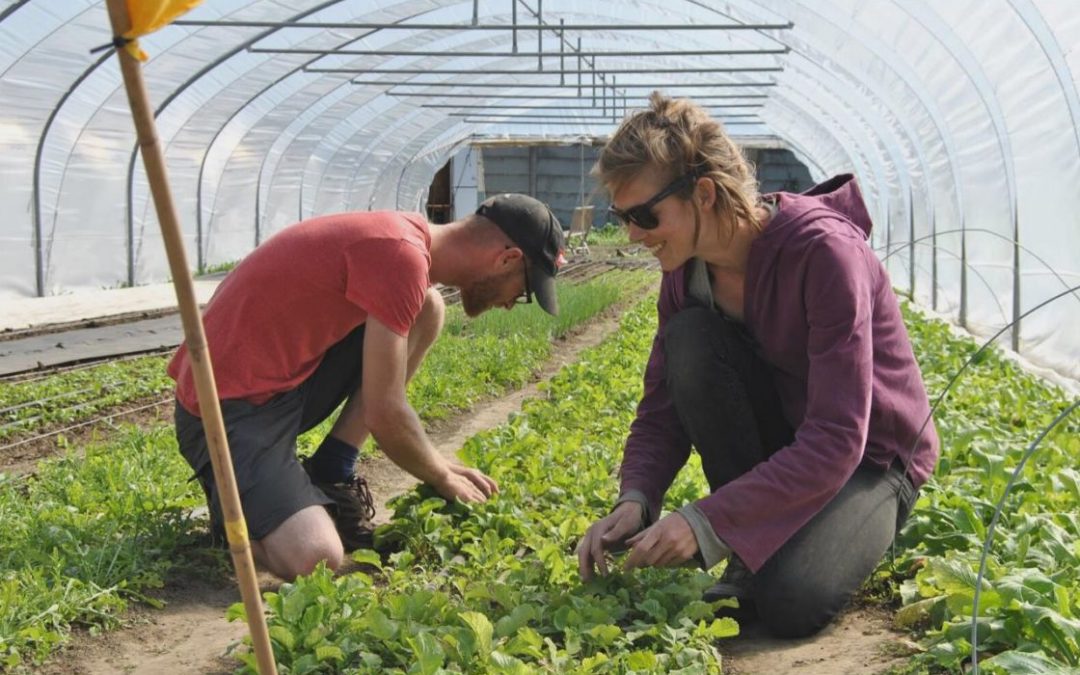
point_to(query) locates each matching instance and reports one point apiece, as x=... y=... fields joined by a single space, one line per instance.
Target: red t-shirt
x=276 y=314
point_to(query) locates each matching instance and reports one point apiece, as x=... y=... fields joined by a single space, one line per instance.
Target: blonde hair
x=674 y=137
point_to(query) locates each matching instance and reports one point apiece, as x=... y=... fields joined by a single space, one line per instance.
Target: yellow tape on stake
x=236 y=532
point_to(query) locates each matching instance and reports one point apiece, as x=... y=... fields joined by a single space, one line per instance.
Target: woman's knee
x=694 y=359
x=688 y=330
x=687 y=346
x=794 y=610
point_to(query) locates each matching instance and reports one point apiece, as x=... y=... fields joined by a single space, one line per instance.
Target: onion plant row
x=100 y=525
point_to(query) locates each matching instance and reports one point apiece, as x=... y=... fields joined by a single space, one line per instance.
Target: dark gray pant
x=262 y=442
x=727 y=404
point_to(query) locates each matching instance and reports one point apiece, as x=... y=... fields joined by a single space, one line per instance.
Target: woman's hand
x=607 y=534
x=668 y=543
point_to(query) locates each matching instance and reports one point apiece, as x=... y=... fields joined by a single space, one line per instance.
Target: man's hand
x=668 y=543
x=464 y=484
x=607 y=534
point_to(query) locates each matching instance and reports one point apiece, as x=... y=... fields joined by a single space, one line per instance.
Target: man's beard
x=482 y=295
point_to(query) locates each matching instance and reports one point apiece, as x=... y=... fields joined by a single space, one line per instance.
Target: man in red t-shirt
x=337 y=309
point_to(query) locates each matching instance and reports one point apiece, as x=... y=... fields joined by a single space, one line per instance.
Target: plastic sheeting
x=961 y=120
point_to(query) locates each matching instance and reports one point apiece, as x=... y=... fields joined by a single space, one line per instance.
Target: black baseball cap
x=533 y=227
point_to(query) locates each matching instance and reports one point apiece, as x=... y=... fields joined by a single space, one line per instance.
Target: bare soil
x=861 y=641
x=191 y=635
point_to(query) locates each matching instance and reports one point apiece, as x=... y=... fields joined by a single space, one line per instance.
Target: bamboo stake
x=206 y=388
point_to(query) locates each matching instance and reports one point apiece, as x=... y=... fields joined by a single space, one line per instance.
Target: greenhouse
x=943 y=139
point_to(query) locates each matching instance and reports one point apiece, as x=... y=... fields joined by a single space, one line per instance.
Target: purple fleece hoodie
x=819 y=304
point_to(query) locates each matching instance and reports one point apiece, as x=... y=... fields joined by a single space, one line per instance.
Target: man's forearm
x=402 y=438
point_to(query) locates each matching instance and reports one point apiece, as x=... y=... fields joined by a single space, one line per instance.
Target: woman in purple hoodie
x=782 y=358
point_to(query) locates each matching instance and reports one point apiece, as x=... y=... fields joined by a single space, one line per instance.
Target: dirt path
x=860 y=642
x=190 y=635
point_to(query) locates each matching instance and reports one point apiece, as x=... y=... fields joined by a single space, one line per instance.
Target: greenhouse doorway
x=440 y=206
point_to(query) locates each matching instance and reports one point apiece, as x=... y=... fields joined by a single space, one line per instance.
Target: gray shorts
x=262 y=442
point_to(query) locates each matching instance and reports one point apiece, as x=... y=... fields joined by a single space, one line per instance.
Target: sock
x=333 y=462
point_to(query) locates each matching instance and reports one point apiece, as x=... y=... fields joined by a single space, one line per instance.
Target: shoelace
x=363 y=497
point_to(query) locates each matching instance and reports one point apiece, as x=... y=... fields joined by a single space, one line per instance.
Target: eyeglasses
x=642 y=215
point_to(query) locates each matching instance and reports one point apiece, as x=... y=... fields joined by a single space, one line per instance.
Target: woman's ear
x=705 y=193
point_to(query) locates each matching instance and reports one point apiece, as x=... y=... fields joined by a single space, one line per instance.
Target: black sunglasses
x=526 y=297
x=642 y=215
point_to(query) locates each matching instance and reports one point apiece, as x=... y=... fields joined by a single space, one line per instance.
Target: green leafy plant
x=494 y=587
x=86 y=534
x=1030 y=598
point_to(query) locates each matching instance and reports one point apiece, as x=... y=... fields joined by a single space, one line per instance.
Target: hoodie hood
x=838 y=196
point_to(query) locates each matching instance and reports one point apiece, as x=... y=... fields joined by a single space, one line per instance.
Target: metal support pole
x=963 y=273
x=579 y=67
x=405 y=25
x=614 y=115
x=1016 y=279
x=600 y=121
x=258 y=207
x=519 y=71
x=888 y=227
x=911 y=242
x=476 y=12
x=513 y=15
x=532 y=171
x=560 y=97
x=498 y=54
x=38 y=233
x=39 y=255
x=581 y=189
x=129 y=217
x=385 y=84
x=562 y=52
x=712 y=108
x=604 y=117
x=933 y=262
x=540 y=35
